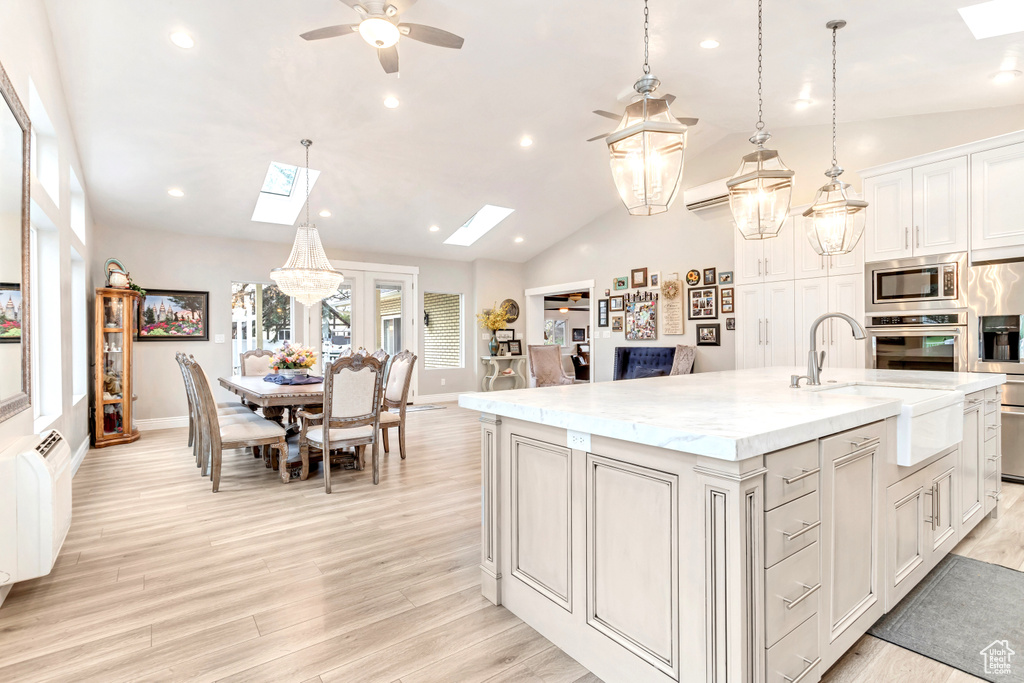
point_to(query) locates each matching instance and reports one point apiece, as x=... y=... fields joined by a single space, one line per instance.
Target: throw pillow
x=682 y=363
x=638 y=372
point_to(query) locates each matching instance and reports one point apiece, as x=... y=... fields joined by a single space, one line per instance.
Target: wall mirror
x=15 y=384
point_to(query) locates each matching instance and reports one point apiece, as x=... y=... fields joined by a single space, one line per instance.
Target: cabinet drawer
x=992 y=399
x=790 y=527
x=792 y=473
x=792 y=590
x=851 y=440
x=993 y=487
x=992 y=457
x=992 y=422
x=795 y=654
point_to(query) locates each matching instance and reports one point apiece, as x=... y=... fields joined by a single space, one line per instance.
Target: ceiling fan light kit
x=378 y=32
x=761 y=190
x=837 y=217
x=648 y=146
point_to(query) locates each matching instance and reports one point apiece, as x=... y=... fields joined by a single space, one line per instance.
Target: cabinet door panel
x=780 y=335
x=944 y=528
x=940 y=207
x=778 y=255
x=845 y=295
x=749 y=257
x=889 y=216
x=848 y=264
x=811 y=301
x=972 y=480
x=807 y=262
x=907 y=510
x=997 y=204
x=749 y=326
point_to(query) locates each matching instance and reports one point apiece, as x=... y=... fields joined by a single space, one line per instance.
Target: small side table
x=495 y=365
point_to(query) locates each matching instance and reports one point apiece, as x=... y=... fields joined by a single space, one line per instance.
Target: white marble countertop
x=727 y=415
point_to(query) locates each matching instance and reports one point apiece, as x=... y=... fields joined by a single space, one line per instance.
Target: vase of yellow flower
x=493 y=319
x=293 y=360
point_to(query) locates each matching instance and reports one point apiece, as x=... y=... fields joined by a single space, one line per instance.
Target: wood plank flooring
x=162 y=580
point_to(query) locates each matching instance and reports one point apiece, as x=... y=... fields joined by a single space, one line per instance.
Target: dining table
x=273 y=398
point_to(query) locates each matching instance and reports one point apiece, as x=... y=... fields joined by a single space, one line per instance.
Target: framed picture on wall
x=703 y=303
x=174 y=315
x=725 y=277
x=10 y=313
x=579 y=334
x=709 y=276
x=654 y=280
x=638 y=277
x=505 y=335
x=616 y=303
x=730 y=323
x=616 y=323
x=621 y=283
x=602 y=312
x=515 y=347
x=707 y=335
x=727 y=300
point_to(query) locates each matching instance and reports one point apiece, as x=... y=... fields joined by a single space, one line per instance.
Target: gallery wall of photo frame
x=657 y=304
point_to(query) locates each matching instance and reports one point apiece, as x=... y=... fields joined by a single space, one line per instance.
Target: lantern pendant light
x=648 y=145
x=761 y=190
x=308 y=275
x=837 y=218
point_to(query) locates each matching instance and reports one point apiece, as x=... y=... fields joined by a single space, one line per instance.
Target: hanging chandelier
x=648 y=145
x=761 y=190
x=837 y=219
x=308 y=275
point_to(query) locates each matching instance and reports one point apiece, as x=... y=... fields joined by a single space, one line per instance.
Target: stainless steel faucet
x=814 y=361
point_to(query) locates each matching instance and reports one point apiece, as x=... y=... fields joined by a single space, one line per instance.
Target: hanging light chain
x=760 y=101
x=647 y=39
x=835 y=31
x=307 y=144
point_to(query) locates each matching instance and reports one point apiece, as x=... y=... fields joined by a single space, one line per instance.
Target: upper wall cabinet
x=997 y=203
x=768 y=260
x=917 y=212
x=808 y=263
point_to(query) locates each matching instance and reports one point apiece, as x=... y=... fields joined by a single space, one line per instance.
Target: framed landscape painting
x=10 y=313
x=174 y=315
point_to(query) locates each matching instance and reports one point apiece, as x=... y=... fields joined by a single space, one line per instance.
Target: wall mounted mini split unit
x=707 y=195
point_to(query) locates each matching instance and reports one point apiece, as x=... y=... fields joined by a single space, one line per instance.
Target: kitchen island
x=723 y=526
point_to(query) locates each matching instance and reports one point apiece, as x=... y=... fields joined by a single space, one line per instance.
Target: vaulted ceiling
x=150 y=116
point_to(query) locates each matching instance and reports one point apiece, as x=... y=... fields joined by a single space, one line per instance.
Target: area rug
x=966 y=614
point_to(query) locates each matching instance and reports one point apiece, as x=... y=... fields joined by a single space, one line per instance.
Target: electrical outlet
x=485 y=337
x=218 y=339
x=606 y=334
x=442 y=381
x=579 y=441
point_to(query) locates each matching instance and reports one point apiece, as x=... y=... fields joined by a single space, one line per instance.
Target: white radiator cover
x=35 y=505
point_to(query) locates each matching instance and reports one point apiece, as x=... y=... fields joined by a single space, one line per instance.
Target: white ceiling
x=149 y=116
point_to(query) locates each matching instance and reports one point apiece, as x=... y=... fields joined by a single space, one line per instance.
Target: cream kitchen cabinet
x=997 y=204
x=971 y=465
x=917 y=212
x=765 y=330
x=841 y=294
x=808 y=263
x=767 y=260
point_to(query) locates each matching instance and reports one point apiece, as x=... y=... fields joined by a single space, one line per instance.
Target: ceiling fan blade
x=687 y=122
x=608 y=115
x=599 y=137
x=388 y=57
x=669 y=99
x=330 y=32
x=431 y=35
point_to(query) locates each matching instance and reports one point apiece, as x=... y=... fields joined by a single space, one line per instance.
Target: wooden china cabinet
x=116 y=311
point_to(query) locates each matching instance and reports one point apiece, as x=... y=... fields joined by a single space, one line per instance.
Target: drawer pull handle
x=790 y=604
x=804 y=475
x=994 y=494
x=993 y=458
x=803 y=674
x=798 y=534
x=865 y=441
x=991 y=426
x=975 y=401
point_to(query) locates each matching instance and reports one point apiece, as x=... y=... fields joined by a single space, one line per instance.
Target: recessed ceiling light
x=175 y=192
x=994 y=18
x=183 y=40
x=325 y=214
x=519 y=240
x=526 y=141
x=709 y=44
x=391 y=102
x=434 y=228
x=1005 y=76
x=477 y=226
x=802 y=103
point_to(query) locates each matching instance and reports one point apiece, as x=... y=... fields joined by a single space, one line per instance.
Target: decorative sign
x=641 y=316
x=672 y=307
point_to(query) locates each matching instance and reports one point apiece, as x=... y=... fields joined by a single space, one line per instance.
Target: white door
x=749 y=326
x=845 y=295
x=749 y=256
x=811 y=301
x=778 y=254
x=779 y=332
x=890 y=199
x=940 y=207
x=808 y=263
x=997 y=204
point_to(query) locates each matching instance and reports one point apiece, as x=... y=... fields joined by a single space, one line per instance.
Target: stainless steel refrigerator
x=996 y=301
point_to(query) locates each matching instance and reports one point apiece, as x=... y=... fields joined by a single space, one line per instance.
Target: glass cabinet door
x=115 y=318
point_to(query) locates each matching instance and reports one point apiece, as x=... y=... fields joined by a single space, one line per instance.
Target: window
x=442 y=331
x=79 y=332
x=283 y=194
x=389 y=318
x=554 y=332
x=77 y=207
x=261 y=318
x=47 y=391
x=45 y=157
x=280 y=179
x=336 y=322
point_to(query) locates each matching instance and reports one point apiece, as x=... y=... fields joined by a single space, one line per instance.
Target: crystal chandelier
x=837 y=219
x=761 y=190
x=647 y=147
x=308 y=275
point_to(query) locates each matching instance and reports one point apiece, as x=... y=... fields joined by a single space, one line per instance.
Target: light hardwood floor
x=162 y=580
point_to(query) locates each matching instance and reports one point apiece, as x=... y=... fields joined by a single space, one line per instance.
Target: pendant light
x=837 y=219
x=647 y=147
x=761 y=190
x=308 y=275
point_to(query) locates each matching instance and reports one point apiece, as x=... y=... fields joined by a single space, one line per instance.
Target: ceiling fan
x=380 y=28
x=669 y=99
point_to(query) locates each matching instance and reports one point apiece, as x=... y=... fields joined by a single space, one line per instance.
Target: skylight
x=283 y=194
x=994 y=18
x=478 y=226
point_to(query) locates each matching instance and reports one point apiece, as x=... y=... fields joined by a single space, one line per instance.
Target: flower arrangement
x=495 y=318
x=296 y=357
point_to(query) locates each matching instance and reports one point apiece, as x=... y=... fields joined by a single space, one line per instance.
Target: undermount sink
x=930 y=420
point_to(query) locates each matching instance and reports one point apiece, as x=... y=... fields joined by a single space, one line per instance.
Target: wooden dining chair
x=223 y=409
x=396 y=395
x=256 y=362
x=237 y=431
x=349 y=418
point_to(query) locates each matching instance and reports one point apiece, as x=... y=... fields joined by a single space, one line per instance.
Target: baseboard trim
x=437 y=398
x=155 y=423
x=79 y=456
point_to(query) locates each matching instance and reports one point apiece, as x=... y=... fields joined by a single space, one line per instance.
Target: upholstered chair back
x=257 y=362
x=399 y=378
x=546 y=365
x=352 y=390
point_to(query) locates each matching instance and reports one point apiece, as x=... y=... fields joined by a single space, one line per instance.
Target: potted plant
x=291 y=360
x=494 y=319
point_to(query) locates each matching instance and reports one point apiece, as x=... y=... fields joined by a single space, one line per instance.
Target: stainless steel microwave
x=916 y=284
